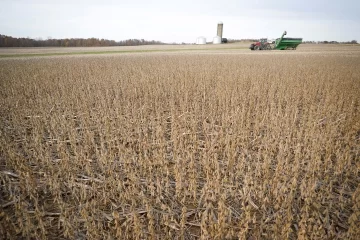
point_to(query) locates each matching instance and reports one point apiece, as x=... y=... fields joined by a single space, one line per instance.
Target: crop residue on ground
x=180 y=146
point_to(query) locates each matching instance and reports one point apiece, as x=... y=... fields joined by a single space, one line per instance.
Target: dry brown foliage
x=180 y=146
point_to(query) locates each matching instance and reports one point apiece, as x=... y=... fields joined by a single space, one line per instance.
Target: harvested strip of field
x=181 y=146
x=105 y=52
x=237 y=48
x=48 y=51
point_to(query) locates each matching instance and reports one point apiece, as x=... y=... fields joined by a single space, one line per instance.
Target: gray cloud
x=181 y=20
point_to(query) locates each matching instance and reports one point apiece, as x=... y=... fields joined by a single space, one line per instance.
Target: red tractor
x=263 y=44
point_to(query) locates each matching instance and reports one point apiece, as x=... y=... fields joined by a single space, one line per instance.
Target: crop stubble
x=180 y=146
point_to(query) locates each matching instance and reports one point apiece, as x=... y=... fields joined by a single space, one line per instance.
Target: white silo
x=220 y=28
x=201 y=40
x=217 y=40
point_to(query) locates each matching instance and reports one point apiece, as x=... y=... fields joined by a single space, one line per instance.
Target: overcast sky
x=181 y=21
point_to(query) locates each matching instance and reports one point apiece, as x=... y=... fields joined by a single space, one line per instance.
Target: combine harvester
x=280 y=43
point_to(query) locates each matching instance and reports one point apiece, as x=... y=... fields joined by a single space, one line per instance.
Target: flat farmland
x=56 y=51
x=233 y=48
x=215 y=142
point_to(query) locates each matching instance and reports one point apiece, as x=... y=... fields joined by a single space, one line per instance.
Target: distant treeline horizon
x=306 y=42
x=8 y=41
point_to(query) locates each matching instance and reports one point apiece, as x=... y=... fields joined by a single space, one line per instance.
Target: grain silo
x=201 y=40
x=217 y=40
x=220 y=29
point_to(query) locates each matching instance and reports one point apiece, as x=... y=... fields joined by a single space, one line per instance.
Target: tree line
x=8 y=41
x=332 y=42
x=310 y=42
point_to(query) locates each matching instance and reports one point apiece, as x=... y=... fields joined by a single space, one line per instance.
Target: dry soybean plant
x=180 y=146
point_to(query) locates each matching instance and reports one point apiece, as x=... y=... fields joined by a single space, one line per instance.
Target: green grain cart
x=280 y=43
x=287 y=43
